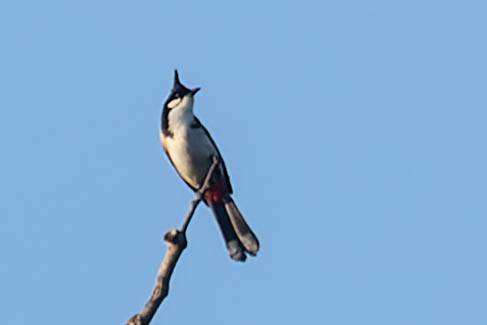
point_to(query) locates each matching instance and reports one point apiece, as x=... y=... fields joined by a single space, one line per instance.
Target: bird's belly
x=191 y=156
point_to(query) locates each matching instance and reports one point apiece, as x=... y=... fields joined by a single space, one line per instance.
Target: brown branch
x=176 y=243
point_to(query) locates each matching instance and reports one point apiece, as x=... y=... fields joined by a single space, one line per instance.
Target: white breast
x=190 y=150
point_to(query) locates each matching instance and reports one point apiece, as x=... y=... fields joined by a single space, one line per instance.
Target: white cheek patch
x=173 y=103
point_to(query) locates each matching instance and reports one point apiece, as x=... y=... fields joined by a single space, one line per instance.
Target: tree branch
x=176 y=243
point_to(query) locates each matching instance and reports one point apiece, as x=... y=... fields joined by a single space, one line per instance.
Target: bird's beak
x=194 y=91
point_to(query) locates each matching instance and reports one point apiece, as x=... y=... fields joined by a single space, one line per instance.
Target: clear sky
x=354 y=132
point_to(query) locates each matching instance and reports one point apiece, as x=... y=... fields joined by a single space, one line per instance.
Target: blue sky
x=354 y=133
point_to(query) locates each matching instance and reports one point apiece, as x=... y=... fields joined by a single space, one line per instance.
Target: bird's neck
x=173 y=119
x=179 y=117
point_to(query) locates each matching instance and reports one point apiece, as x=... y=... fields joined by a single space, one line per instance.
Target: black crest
x=178 y=88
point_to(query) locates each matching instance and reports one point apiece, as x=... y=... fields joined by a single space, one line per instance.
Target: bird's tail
x=245 y=235
x=234 y=246
x=238 y=236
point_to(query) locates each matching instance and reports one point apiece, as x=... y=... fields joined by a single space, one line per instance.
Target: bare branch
x=176 y=243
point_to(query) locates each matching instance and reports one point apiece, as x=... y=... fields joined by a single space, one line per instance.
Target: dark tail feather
x=241 y=228
x=234 y=246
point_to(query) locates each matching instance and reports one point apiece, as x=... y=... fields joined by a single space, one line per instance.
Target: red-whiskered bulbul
x=191 y=149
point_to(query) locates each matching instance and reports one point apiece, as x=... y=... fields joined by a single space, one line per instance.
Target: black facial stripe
x=165 y=123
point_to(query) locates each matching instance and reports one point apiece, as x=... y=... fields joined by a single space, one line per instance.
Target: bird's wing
x=224 y=167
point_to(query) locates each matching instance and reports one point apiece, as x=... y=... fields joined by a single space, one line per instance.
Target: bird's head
x=181 y=97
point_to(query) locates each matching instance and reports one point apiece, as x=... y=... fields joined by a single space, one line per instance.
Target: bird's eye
x=177 y=95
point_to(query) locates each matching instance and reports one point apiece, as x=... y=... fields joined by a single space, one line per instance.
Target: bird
x=191 y=150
